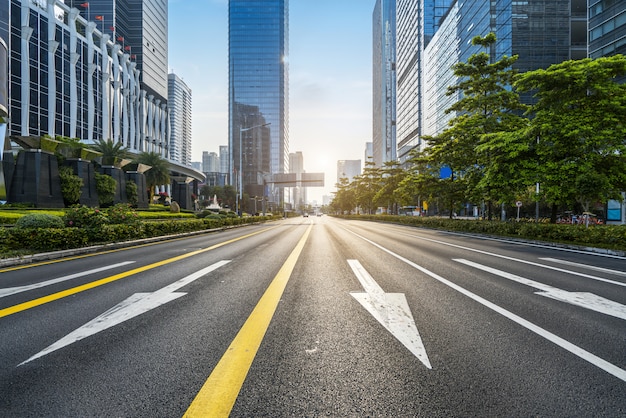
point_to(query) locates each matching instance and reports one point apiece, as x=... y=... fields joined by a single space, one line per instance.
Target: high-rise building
x=348 y=169
x=369 y=152
x=140 y=28
x=179 y=103
x=224 y=159
x=85 y=85
x=540 y=32
x=384 y=82
x=296 y=165
x=607 y=28
x=210 y=162
x=258 y=38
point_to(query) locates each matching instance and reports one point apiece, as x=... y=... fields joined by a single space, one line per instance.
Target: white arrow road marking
x=19 y=289
x=584 y=299
x=133 y=306
x=391 y=310
x=586 y=266
x=566 y=345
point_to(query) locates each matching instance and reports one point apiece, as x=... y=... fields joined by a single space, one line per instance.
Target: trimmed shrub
x=39 y=220
x=132 y=195
x=105 y=186
x=84 y=217
x=122 y=214
x=71 y=186
x=46 y=239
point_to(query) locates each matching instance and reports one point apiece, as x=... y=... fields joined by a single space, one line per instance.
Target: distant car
x=319 y=214
x=306 y=215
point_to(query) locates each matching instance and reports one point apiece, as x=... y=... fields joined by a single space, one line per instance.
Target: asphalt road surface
x=309 y=317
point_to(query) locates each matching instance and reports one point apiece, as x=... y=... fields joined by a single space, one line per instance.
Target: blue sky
x=330 y=72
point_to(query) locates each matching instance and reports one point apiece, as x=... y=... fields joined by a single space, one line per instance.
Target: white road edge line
x=19 y=289
x=580 y=352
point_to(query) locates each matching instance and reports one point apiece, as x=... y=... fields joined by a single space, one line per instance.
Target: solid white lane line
x=19 y=289
x=581 y=353
x=586 y=266
x=583 y=299
x=600 y=279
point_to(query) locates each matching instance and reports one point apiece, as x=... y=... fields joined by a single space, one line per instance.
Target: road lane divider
x=555 y=339
x=87 y=286
x=217 y=396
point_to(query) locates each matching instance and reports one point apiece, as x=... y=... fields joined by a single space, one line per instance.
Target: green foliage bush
x=84 y=217
x=46 y=239
x=39 y=220
x=604 y=236
x=131 y=194
x=87 y=226
x=122 y=214
x=71 y=186
x=105 y=186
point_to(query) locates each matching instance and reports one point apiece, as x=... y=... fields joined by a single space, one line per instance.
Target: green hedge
x=603 y=236
x=23 y=240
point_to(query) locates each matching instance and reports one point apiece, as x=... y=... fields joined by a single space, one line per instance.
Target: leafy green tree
x=391 y=176
x=487 y=105
x=367 y=186
x=578 y=130
x=345 y=198
x=158 y=174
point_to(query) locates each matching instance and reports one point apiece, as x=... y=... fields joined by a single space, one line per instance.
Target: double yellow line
x=72 y=291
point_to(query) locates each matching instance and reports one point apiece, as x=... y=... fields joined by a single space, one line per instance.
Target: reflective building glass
x=258 y=93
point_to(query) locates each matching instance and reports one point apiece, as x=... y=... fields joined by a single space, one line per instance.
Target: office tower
x=384 y=82
x=607 y=28
x=179 y=103
x=541 y=32
x=140 y=28
x=369 y=151
x=296 y=165
x=210 y=162
x=258 y=34
x=348 y=169
x=85 y=85
x=224 y=159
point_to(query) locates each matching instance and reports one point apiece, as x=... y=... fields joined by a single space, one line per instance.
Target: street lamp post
x=240 y=179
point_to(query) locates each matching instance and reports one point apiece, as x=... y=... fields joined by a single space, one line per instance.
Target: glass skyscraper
x=258 y=38
x=384 y=82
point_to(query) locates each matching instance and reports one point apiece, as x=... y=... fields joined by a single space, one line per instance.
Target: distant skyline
x=330 y=71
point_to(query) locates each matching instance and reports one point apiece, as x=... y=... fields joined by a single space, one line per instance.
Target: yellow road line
x=77 y=257
x=218 y=394
x=59 y=295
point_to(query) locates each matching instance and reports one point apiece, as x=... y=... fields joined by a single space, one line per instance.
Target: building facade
x=384 y=82
x=224 y=158
x=258 y=38
x=180 y=106
x=540 y=32
x=86 y=87
x=348 y=169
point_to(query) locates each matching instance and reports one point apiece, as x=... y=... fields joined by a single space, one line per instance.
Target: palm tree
x=111 y=151
x=158 y=175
